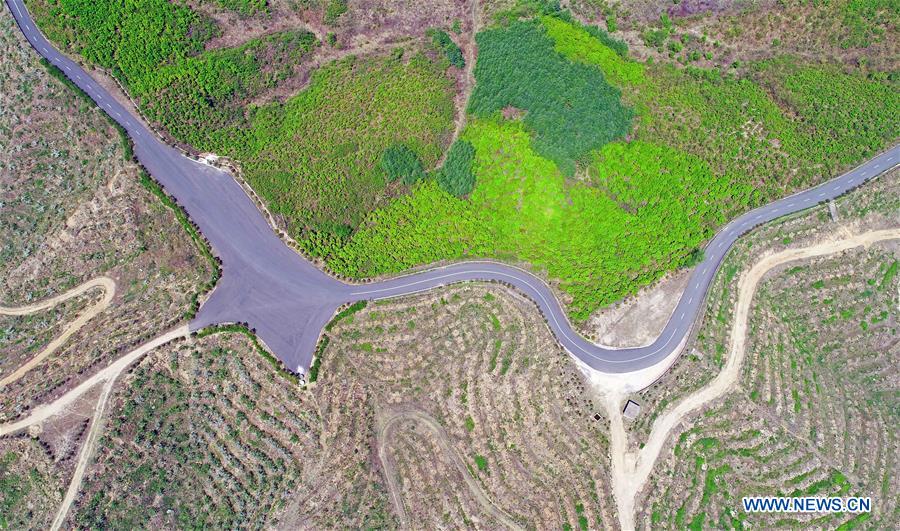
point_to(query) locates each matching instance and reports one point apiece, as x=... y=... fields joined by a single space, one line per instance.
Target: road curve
x=288 y=300
x=106 y=284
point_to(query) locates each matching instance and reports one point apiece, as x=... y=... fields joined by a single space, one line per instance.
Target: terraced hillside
x=483 y=419
x=399 y=428
x=814 y=410
x=874 y=206
x=73 y=209
x=202 y=436
x=817 y=408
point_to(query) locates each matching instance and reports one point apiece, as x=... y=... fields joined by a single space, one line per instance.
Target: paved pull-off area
x=288 y=300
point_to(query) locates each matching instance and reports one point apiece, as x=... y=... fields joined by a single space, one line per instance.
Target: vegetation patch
x=442 y=41
x=706 y=147
x=245 y=7
x=401 y=163
x=456 y=176
x=351 y=112
x=29 y=485
x=570 y=107
x=604 y=239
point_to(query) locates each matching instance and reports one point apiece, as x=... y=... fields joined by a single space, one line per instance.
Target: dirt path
x=630 y=469
x=59 y=406
x=108 y=286
x=460 y=122
x=385 y=433
x=87 y=450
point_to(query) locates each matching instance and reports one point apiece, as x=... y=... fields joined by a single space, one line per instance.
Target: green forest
x=569 y=107
x=600 y=170
x=703 y=148
x=315 y=158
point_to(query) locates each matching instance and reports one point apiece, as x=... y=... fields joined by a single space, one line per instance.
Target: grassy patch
x=245 y=7
x=349 y=115
x=889 y=275
x=345 y=313
x=481 y=462
x=316 y=366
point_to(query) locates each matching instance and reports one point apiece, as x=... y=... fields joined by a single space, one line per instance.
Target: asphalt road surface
x=288 y=300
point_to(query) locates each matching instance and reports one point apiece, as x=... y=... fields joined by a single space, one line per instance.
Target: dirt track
x=108 y=286
x=108 y=377
x=384 y=435
x=631 y=469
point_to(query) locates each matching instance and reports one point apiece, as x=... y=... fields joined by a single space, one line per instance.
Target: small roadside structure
x=632 y=410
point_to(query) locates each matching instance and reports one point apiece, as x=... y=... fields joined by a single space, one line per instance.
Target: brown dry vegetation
x=816 y=404
x=73 y=209
x=365 y=21
x=730 y=30
x=463 y=391
x=368 y=27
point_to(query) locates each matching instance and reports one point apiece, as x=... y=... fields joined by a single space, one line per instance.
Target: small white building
x=632 y=410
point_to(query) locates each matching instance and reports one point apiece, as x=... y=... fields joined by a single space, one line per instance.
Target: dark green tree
x=400 y=162
x=456 y=176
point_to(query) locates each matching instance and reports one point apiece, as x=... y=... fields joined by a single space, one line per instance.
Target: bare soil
x=638 y=320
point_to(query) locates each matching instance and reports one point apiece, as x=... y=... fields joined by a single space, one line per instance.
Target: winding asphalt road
x=288 y=300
